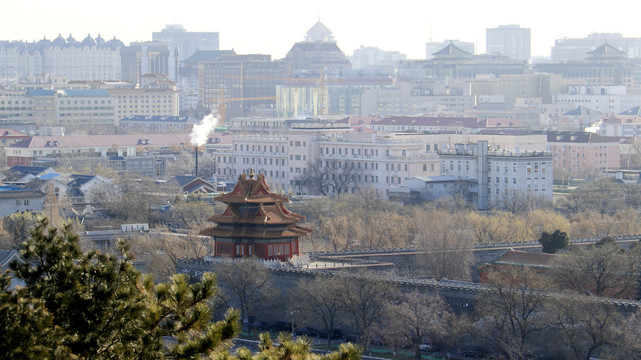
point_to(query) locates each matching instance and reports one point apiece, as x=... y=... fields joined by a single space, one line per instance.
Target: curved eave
x=289 y=232
x=251 y=220
x=241 y=198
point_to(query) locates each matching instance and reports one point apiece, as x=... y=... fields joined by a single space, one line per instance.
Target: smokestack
x=196 y=172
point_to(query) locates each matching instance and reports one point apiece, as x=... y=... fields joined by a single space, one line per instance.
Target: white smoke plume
x=201 y=131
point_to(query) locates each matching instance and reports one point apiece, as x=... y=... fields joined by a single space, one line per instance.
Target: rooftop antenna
x=429 y=32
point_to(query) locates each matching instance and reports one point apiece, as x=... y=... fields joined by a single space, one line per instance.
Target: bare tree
x=319 y=299
x=586 y=324
x=364 y=297
x=340 y=232
x=446 y=244
x=628 y=335
x=192 y=213
x=315 y=179
x=160 y=251
x=248 y=285
x=333 y=178
x=598 y=270
x=513 y=309
x=521 y=202
x=415 y=318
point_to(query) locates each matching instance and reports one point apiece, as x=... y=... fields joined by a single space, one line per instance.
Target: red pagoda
x=256 y=223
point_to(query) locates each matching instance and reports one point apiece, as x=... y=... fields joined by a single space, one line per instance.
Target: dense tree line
x=91 y=305
x=358 y=221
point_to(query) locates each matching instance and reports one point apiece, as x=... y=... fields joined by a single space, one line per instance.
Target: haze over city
x=272 y=27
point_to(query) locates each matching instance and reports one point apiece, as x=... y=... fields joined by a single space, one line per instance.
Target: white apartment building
x=604 y=99
x=145 y=101
x=89 y=59
x=15 y=105
x=371 y=160
x=72 y=107
x=499 y=175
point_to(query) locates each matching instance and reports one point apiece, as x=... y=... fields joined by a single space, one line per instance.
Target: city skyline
x=273 y=27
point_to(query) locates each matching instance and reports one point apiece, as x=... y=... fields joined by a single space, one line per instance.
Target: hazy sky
x=272 y=27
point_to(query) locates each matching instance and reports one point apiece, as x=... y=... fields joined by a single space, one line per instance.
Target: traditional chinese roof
x=273 y=214
x=451 y=51
x=250 y=190
x=253 y=211
x=606 y=51
x=319 y=32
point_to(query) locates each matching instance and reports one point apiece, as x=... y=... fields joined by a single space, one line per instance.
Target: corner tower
x=256 y=223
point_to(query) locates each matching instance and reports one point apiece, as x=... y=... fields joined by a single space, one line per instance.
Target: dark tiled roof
x=635 y=111
x=75 y=192
x=306 y=46
x=452 y=51
x=21 y=194
x=183 y=180
x=79 y=180
x=22 y=144
x=22 y=170
x=606 y=50
x=513 y=257
x=582 y=111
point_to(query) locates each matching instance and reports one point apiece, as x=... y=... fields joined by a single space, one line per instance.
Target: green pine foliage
x=93 y=305
x=554 y=242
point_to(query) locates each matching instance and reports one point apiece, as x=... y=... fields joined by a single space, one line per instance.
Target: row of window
x=261 y=148
x=355 y=152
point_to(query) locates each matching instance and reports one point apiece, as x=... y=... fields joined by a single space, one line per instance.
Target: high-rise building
x=188 y=82
x=187 y=42
x=240 y=85
x=140 y=58
x=509 y=40
x=369 y=57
